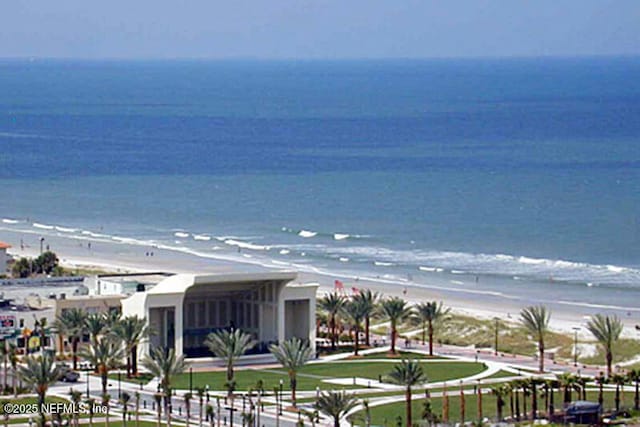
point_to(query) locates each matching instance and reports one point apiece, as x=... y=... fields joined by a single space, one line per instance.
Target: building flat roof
x=179 y=283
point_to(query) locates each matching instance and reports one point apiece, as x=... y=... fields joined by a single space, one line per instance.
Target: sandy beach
x=127 y=257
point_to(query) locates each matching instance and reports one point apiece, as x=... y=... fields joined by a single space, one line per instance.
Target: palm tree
x=105 y=355
x=187 y=404
x=634 y=377
x=536 y=320
x=13 y=360
x=428 y=314
x=200 y=392
x=132 y=330
x=137 y=400
x=369 y=301
x=164 y=366
x=336 y=405
x=229 y=346
x=90 y=410
x=500 y=392
x=38 y=373
x=71 y=323
x=601 y=380
x=396 y=310
x=567 y=381
x=124 y=401
x=292 y=354
x=95 y=325
x=333 y=304
x=619 y=381
x=105 y=402
x=356 y=310
x=607 y=330
x=4 y=353
x=408 y=373
x=112 y=317
x=158 y=399
x=76 y=397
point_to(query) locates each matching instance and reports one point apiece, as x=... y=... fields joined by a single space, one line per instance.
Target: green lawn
x=142 y=378
x=312 y=375
x=501 y=374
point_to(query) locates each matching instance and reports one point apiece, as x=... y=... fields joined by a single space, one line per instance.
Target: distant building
x=4 y=257
x=183 y=309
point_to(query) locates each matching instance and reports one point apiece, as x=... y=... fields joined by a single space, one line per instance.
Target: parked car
x=68 y=375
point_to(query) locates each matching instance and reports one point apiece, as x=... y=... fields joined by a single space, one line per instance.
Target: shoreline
x=126 y=257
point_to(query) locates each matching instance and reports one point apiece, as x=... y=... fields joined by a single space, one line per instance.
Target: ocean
x=489 y=173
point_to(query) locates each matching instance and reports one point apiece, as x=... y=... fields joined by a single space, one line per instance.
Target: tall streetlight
x=497 y=330
x=41 y=243
x=280 y=408
x=575 y=345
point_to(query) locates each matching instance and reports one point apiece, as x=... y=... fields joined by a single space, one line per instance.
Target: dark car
x=67 y=375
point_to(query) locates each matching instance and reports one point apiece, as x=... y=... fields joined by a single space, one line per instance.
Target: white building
x=183 y=309
x=4 y=257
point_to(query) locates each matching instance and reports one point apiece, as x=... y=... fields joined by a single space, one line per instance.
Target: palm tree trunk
x=424 y=332
x=534 y=401
x=367 y=322
x=74 y=350
x=479 y=397
x=294 y=385
x=617 y=397
x=41 y=399
x=393 y=336
x=511 y=405
x=159 y=422
x=541 y=350
x=134 y=360
x=636 y=399
x=128 y=365
x=356 y=344
x=333 y=332
x=408 y=401
x=517 y=404
x=103 y=379
x=138 y=411
x=430 y=338
x=609 y=361
x=551 y=405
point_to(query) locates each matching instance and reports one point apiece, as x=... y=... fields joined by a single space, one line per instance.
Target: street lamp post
x=575 y=346
x=496 y=336
x=190 y=379
x=280 y=408
x=119 y=385
x=88 y=385
x=41 y=245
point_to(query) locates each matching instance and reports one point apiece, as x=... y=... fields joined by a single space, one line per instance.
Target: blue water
x=499 y=168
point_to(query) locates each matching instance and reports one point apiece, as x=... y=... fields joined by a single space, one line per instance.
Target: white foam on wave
x=10 y=221
x=284 y=251
x=307 y=233
x=344 y=259
x=43 y=226
x=341 y=236
x=383 y=263
x=66 y=229
x=181 y=234
x=95 y=235
x=203 y=237
x=457 y=282
x=246 y=245
x=458 y=272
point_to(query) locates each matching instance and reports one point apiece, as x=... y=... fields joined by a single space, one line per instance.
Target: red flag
x=337 y=284
x=355 y=290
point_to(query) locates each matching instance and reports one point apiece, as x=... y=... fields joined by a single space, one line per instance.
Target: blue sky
x=317 y=28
